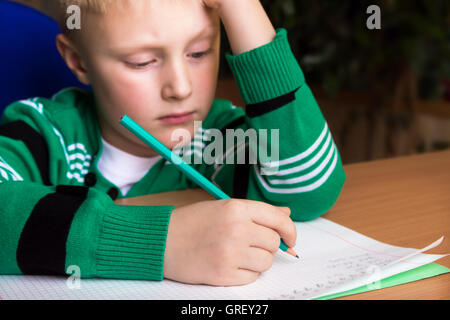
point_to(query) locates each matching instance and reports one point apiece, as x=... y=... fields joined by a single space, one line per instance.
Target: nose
x=177 y=82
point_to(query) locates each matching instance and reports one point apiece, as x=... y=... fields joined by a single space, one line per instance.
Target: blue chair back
x=30 y=64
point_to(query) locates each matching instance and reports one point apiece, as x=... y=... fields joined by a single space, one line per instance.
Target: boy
x=64 y=160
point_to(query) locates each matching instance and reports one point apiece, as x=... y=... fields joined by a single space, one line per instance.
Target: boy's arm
x=309 y=175
x=46 y=227
x=246 y=23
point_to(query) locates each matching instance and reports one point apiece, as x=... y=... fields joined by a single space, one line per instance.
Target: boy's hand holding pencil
x=225 y=242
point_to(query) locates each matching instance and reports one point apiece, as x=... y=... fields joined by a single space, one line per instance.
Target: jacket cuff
x=266 y=72
x=132 y=241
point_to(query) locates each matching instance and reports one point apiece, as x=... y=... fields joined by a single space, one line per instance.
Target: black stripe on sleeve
x=233 y=124
x=36 y=144
x=241 y=177
x=241 y=171
x=260 y=108
x=42 y=244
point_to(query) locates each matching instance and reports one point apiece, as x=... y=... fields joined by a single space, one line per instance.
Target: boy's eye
x=140 y=65
x=201 y=54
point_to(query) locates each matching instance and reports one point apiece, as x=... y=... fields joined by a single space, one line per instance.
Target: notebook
x=334 y=261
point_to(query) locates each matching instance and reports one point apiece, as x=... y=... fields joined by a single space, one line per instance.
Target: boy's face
x=150 y=60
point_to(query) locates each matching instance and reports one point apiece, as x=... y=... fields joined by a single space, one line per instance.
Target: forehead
x=158 y=22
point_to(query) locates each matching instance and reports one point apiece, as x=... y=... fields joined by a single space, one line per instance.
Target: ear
x=71 y=56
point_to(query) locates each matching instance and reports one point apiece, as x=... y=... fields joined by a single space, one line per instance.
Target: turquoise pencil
x=181 y=165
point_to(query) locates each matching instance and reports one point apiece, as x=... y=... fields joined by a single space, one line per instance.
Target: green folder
x=423 y=272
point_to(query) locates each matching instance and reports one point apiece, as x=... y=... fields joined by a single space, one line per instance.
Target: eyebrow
x=208 y=32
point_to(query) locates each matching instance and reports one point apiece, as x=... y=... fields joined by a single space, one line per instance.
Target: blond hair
x=96 y=6
x=89 y=5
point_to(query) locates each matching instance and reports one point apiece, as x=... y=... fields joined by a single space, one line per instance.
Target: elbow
x=319 y=201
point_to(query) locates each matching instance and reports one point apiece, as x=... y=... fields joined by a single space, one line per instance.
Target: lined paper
x=333 y=259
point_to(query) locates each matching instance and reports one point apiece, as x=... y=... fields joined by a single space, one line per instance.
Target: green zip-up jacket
x=57 y=210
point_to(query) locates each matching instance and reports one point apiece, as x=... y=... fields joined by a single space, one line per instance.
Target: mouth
x=177 y=118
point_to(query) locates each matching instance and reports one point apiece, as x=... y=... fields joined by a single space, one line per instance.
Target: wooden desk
x=402 y=201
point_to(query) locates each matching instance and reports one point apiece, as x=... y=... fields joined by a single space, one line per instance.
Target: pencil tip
x=297 y=256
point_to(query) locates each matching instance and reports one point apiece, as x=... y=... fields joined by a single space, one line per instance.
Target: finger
x=264 y=238
x=286 y=210
x=273 y=217
x=257 y=260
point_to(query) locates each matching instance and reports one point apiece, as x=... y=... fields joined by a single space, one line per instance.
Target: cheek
x=132 y=96
x=205 y=83
x=123 y=92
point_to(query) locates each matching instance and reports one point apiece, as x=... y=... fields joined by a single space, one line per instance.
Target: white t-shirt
x=113 y=161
